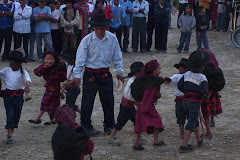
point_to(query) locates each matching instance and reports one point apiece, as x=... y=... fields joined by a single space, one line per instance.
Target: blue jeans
x=192 y=109
x=48 y=43
x=32 y=42
x=202 y=38
x=13 y=106
x=185 y=38
x=169 y=15
x=221 y=18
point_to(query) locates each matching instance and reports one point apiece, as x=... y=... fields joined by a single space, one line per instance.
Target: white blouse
x=22 y=23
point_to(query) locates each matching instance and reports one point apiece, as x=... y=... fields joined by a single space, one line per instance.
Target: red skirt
x=211 y=106
x=51 y=100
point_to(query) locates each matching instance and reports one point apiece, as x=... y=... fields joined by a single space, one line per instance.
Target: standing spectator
x=21 y=27
x=91 y=8
x=206 y=4
x=42 y=15
x=161 y=12
x=230 y=10
x=221 y=18
x=83 y=10
x=182 y=5
x=187 y=22
x=140 y=11
x=98 y=7
x=150 y=23
x=118 y=13
x=69 y=21
x=202 y=25
x=127 y=4
x=55 y=29
x=168 y=2
x=194 y=6
x=33 y=4
x=213 y=14
x=6 y=27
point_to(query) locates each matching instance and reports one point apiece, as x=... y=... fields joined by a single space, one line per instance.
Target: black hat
x=16 y=56
x=183 y=62
x=99 y=20
x=197 y=60
x=68 y=143
x=70 y=53
x=135 y=67
x=33 y=1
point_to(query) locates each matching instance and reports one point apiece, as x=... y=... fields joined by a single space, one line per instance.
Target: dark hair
x=54 y=54
x=189 y=6
x=200 y=8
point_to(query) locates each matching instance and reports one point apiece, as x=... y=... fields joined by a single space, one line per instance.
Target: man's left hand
x=120 y=78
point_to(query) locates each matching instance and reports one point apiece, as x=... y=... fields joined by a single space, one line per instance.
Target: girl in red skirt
x=147 y=118
x=211 y=104
x=53 y=73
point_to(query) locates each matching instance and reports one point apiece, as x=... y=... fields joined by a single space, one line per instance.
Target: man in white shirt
x=140 y=11
x=96 y=52
x=21 y=27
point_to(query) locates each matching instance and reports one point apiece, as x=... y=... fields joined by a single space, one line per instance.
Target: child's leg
x=39 y=116
x=182 y=40
x=205 y=40
x=137 y=138
x=196 y=131
x=187 y=135
x=208 y=133
x=181 y=129
x=155 y=133
x=71 y=96
x=114 y=132
x=181 y=116
x=10 y=132
x=187 y=41
x=199 y=40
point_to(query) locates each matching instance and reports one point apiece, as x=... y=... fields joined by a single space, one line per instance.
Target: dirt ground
x=33 y=142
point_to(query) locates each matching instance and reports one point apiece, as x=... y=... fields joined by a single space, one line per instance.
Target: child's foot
x=159 y=144
x=35 y=122
x=138 y=148
x=186 y=149
x=212 y=123
x=207 y=136
x=200 y=143
x=9 y=140
x=141 y=141
x=93 y=132
x=179 y=51
x=114 y=141
x=47 y=123
x=185 y=51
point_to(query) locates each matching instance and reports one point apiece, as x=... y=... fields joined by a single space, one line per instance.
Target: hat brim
x=69 y=56
x=105 y=23
x=17 y=59
x=180 y=64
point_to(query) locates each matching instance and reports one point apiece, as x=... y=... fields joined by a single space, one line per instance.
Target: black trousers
x=150 y=28
x=182 y=7
x=139 y=28
x=125 y=37
x=6 y=35
x=19 y=39
x=103 y=84
x=57 y=40
x=118 y=32
x=161 y=33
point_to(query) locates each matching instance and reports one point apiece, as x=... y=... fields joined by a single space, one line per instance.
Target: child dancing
x=127 y=110
x=53 y=73
x=146 y=91
x=194 y=85
x=179 y=109
x=14 y=77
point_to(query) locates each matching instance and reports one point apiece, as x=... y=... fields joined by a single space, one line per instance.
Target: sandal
x=47 y=123
x=139 y=148
x=159 y=144
x=35 y=122
x=186 y=149
x=200 y=143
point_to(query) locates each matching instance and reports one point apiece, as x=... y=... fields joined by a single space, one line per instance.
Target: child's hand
x=27 y=88
x=46 y=65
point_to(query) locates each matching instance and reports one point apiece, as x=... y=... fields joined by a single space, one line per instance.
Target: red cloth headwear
x=150 y=67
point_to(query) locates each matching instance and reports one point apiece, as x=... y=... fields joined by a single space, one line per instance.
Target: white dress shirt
x=22 y=23
x=137 y=6
x=127 y=90
x=175 y=79
x=95 y=53
x=13 y=79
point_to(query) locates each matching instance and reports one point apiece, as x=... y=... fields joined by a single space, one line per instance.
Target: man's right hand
x=77 y=82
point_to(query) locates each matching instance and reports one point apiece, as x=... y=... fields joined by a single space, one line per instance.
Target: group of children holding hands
x=142 y=90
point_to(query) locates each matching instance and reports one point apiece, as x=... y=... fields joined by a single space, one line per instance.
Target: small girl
x=15 y=85
x=147 y=118
x=53 y=73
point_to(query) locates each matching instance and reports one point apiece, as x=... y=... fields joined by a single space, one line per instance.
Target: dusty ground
x=33 y=142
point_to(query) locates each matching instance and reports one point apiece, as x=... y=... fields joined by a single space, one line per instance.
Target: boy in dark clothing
x=202 y=25
x=194 y=85
x=161 y=12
